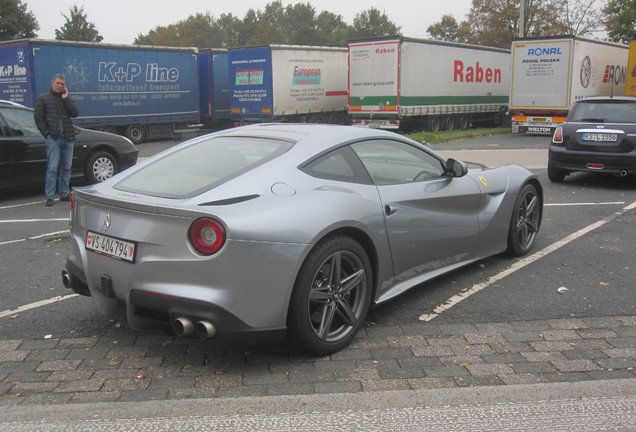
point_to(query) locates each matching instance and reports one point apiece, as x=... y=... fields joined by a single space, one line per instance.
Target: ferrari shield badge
x=484 y=181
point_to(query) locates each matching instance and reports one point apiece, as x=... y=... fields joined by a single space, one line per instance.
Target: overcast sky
x=120 y=21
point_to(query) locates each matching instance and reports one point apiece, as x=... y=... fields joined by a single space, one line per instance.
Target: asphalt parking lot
x=562 y=314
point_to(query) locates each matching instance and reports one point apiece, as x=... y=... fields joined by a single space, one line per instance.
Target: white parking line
x=454 y=300
x=34 y=237
x=35 y=305
x=34 y=220
x=584 y=204
x=21 y=205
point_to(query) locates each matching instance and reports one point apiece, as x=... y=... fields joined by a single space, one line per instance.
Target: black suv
x=599 y=135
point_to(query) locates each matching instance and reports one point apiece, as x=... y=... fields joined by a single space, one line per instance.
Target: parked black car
x=599 y=135
x=97 y=155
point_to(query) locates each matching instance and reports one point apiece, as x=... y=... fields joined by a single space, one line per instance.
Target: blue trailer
x=137 y=91
x=214 y=87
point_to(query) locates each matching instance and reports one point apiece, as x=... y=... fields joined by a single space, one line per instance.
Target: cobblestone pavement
x=152 y=366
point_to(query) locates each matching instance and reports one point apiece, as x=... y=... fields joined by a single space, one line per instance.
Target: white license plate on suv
x=111 y=246
x=595 y=136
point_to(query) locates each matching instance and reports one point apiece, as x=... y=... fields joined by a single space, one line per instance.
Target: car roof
x=609 y=98
x=11 y=103
x=295 y=132
x=309 y=139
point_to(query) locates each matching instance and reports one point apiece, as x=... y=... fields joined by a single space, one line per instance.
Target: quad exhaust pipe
x=185 y=327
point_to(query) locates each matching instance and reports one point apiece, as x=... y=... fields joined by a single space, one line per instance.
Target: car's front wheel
x=331 y=296
x=100 y=166
x=525 y=221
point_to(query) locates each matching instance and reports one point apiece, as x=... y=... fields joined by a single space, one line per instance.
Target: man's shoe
x=66 y=198
x=49 y=202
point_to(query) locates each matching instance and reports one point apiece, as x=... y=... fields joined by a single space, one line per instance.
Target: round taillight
x=206 y=236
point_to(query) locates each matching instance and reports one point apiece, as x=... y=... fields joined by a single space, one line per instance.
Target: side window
x=339 y=165
x=19 y=122
x=394 y=162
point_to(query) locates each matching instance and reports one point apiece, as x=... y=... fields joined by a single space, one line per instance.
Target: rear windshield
x=201 y=166
x=617 y=111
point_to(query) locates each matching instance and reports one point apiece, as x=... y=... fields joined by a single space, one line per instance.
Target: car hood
x=89 y=135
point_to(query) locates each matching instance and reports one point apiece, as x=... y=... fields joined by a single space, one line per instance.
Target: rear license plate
x=593 y=136
x=110 y=246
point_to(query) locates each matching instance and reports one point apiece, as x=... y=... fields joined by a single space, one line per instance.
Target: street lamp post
x=521 y=17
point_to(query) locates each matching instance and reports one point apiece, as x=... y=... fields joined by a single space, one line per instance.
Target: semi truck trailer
x=417 y=84
x=549 y=74
x=294 y=83
x=137 y=91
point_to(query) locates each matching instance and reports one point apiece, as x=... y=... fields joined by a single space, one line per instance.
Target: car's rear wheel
x=556 y=175
x=110 y=129
x=100 y=166
x=331 y=296
x=320 y=118
x=463 y=122
x=525 y=221
x=434 y=124
x=449 y=123
x=136 y=133
x=338 y=117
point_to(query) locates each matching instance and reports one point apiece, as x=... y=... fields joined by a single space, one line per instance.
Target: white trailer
x=404 y=83
x=288 y=83
x=550 y=74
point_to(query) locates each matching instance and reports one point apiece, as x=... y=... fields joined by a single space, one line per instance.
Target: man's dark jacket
x=49 y=108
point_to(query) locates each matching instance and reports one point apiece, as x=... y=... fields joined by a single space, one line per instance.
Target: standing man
x=53 y=113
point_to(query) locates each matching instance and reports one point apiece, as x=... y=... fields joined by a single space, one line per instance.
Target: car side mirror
x=455 y=168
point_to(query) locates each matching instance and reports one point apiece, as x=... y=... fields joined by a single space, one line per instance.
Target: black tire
x=434 y=124
x=136 y=133
x=525 y=221
x=556 y=175
x=331 y=296
x=338 y=117
x=449 y=122
x=100 y=166
x=463 y=122
x=319 y=118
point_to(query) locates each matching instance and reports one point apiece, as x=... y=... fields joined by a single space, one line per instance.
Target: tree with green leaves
x=446 y=30
x=620 y=20
x=233 y=29
x=371 y=23
x=496 y=22
x=301 y=24
x=16 y=22
x=77 y=27
x=296 y=24
x=271 y=25
x=198 y=30
x=333 y=30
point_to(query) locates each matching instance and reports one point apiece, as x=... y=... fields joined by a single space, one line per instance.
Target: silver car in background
x=254 y=233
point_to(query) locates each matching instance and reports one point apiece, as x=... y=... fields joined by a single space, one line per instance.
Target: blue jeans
x=59 y=157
